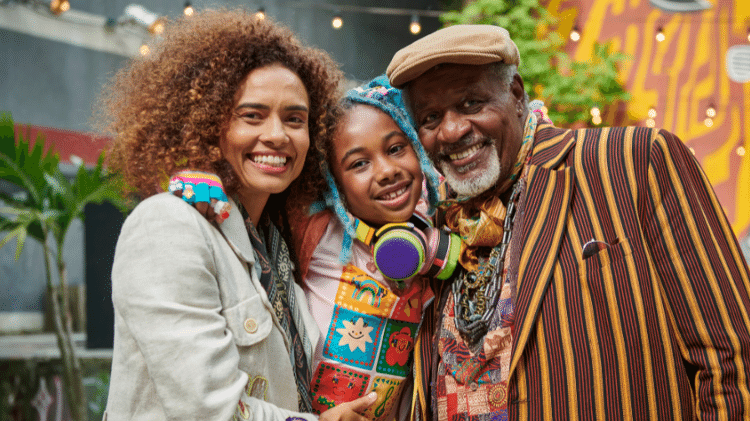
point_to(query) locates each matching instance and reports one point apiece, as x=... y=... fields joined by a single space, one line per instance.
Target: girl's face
x=376 y=167
x=268 y=134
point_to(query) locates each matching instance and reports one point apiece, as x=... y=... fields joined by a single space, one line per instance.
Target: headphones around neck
x=403 y=249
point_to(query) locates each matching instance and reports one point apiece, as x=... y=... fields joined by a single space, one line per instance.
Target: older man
x=599 y=269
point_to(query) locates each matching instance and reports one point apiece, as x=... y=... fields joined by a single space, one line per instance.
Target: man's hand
x=350 y=411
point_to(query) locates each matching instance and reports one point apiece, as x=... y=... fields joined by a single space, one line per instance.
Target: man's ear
x=517 y=89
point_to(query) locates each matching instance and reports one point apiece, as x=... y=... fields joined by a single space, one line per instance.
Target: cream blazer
x=194 y=330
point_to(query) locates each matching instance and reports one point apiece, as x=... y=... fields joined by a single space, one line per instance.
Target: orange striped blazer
x=656 y=324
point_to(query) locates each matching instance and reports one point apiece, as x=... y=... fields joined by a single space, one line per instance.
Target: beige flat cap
x=461 y=44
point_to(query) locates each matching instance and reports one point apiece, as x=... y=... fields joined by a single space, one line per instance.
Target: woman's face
x=268 y=134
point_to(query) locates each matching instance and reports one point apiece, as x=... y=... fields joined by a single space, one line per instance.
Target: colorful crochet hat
x=380 y=94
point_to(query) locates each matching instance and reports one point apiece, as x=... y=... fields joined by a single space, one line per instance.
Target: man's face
x=470 y=123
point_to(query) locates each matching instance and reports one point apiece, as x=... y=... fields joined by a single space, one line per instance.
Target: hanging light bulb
x=337 y=22
x=58 y=7
x=741 y=151
x=575 y=34
x=650 y=123
x=652 y=112
x=188 y=10
x=708 y=122
x=595 y=111
x=146 y=18
x=414 y=26
x=597 y=119
x=660 y=35
x=711 y=111
x=260 y=14
x=144 y=50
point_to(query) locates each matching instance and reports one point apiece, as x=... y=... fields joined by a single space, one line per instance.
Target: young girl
x=374 y=168
x=367 y=223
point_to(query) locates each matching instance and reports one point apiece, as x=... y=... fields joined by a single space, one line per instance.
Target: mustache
x=443 y=154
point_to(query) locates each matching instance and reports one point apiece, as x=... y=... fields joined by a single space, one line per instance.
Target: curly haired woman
x=209 y=322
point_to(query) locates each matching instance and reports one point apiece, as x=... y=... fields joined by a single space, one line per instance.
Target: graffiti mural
x=678 y=78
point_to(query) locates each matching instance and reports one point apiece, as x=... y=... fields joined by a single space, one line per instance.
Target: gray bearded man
x=601 y=279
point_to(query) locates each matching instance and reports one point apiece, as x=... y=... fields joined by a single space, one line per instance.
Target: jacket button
x=473 y=386
x=251 y=326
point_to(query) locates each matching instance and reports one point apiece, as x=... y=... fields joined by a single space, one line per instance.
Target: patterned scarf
x=278 y=281
x=479 y=220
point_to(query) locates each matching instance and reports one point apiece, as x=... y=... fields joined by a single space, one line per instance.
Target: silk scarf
x=277 y=279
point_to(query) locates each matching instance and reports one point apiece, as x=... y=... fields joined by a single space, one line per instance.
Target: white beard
x=473 y=185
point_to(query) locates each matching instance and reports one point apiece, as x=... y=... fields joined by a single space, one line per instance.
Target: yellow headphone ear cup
x=446 y=252
x=451 y=259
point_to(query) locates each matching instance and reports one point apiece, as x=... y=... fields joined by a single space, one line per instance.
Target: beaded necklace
x=475 y=294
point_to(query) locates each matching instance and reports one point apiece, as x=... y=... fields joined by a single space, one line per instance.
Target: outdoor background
x=52 y=69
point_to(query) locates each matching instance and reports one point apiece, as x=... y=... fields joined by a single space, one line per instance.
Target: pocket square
x=593 y=246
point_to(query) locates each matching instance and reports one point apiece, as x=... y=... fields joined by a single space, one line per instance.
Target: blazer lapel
x=546 y=210
x=235 y=232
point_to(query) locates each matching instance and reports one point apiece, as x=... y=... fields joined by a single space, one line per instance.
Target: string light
x=650 y=123
x=414 y=26
x=188 y=10
x=575 y=35
x=708 y=122
x=146 y=18
x=596 y=117
x=660 y=35
x=59 y=7
x=260 y=14
x=144 y=50
x=741 y=151
x=337 y=22
x=711 y=111
x=652 y=112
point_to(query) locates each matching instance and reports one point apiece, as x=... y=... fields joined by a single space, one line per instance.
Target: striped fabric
x=613 y=336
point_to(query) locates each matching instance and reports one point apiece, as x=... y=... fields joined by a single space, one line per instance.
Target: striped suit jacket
x=614 y=335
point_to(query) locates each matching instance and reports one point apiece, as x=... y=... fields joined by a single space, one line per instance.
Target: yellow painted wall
x=680 y=77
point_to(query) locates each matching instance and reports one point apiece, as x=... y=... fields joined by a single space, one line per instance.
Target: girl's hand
x=350 y=411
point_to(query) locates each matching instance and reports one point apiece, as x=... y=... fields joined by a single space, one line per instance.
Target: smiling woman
x=209 y=321
x=268 y=135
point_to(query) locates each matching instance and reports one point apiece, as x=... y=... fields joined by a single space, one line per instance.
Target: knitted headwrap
x=380 y=94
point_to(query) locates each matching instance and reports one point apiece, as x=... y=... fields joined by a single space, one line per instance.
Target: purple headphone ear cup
x=399 y=251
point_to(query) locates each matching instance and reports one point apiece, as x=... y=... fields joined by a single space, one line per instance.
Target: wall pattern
x=680 y=77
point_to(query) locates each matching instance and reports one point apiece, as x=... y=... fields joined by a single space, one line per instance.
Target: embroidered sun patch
x=353 y=338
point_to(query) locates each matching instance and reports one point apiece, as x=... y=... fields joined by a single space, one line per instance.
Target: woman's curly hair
x=168 y=110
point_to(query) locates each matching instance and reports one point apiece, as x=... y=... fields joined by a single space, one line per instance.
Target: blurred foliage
x=568 y=88
x=43 y=208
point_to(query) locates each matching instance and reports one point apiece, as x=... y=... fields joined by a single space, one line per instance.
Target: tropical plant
x=569 y=89
x=43 y=209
